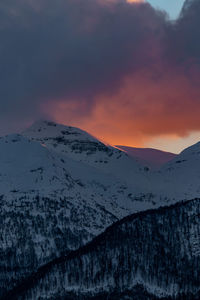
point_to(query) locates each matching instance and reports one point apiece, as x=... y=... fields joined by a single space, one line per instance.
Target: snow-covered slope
x=180 y=178
x=153 y=158
x=60 y=187
x=81 y=146
x=50 y=204
x=73 y=142
x=26 y=166
x=146 y=256
x=174 y=181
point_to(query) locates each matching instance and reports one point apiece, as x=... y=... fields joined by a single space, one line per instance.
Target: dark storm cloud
x=68 y=49
x=73 y=51
x=187 y=32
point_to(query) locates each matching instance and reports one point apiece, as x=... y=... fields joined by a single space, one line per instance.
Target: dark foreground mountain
x=148 y=255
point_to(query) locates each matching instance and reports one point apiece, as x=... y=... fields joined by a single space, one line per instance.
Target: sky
x=124 y=72
x=172 y=7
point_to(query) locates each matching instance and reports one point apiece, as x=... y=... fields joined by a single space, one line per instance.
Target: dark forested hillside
x=144 y=256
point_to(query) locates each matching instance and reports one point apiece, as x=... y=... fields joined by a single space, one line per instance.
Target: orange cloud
x=142 y=108
x=123 y=72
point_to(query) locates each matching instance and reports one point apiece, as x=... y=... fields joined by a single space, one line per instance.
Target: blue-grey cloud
x=75 y=50
x=68 y=49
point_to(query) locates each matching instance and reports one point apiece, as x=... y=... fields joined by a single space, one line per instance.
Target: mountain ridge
x=108 y=234
x=51 y=204
x=60 y=190
x=153 y=158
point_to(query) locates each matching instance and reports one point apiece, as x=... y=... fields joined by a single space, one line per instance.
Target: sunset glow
x=100 y=149
x=123 y=72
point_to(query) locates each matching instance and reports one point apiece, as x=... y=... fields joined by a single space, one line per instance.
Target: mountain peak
x=80 y=146
x=194 y=149
x=46 y=128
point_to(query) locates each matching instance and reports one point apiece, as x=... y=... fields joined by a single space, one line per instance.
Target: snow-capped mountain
x=81 y=146
x=60 y=187
x=51 y=203
x=180 y=178
x=174 y=181
x=153 y=158
x=149 y=255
